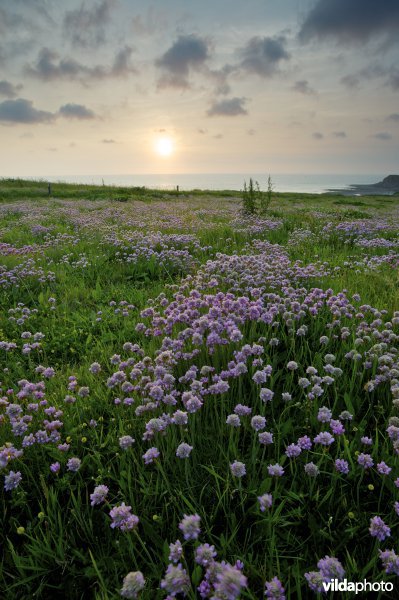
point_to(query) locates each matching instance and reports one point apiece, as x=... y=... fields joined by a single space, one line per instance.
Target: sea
x=310 y=183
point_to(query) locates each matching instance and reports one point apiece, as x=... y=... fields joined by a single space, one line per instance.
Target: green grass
x=67 y=548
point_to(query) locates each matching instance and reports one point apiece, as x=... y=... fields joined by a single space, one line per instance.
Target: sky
x=177 y=86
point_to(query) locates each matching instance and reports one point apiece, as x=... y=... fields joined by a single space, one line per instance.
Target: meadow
x=196 y=402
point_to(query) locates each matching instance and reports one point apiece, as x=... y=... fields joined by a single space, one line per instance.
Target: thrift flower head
x=229 y=583
x=324 y=414
x=331 y=568
x=190 y=526
x=73 y=464
x=390 y=561
x=238 y=469
x=205 y=554
x=365 y=460
x=125 y=442
x=266 y=395
x=95 y=368
x=383 y=468
x=292 y=365
x=265 y=438
x=315 y=581
x=55 y=467
x=265 y=501
x=133 y=583
x=150 y=455
x=274 y=589
x=324 y=438
x=12 y=480
x=176 y=580
x=175 y=551
x=304 y=442
x=233 y=421
x=367 y=441
x=99 y=494
x=122 y=518
x=242 y=410
x=183 y=450
x=311 y=469
x=293 y=450
x=275 y=470
x=342 y=466
x=258 y=422
x=336 y=427
x=379 y=529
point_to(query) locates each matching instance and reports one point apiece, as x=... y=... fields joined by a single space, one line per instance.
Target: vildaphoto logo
x=334 y=585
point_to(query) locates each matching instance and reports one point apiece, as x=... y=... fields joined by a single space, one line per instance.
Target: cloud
x=339 y=134
x=263 y=56
x=393 y=79
x=231 y=107
x=188 y=53
x=351 y=21
x=382 y=135
x=350 y=81
x=369 y=73
x=9 y=90
x=76 y=111
x=152 y=22
x=23 y=111
x=394 y=117
x=85 y=27
x=50 y=67
x=303 y=87
x=122 y=65
x=317 y=135
x=108 y=141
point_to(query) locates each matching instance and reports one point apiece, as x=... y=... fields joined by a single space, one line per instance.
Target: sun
x=164 y=146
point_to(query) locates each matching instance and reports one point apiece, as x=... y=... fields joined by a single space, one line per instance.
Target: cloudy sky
x=174 y=86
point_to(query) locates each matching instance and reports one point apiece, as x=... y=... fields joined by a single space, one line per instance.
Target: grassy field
x=196 y=402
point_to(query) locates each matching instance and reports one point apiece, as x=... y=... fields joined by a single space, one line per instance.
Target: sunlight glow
x=164 y=146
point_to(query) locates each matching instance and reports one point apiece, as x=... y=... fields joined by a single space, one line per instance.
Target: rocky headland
x=387 y=187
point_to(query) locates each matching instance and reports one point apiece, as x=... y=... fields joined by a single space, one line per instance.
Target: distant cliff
x=391 y=183
x=387 y=187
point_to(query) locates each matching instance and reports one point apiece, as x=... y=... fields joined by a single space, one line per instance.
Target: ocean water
x=287 y=182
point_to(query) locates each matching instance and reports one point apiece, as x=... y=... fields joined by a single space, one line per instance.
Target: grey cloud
x=76 y=111
x=303 y=87
x=263 y=56
x=188 y=53
x=9 y=90
x=394 y=117
x=371 y=72
x=382 y=135
x=339 y=134
x=23 y=111
x=86 y=27
x=152 y=22
x=350 y=81
x=350 y=21
x=317 y=135
x=49 y=67
x=231 y=107
x=108 y=141
x=219 y=78
x=393 y=79
x=122 y=65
